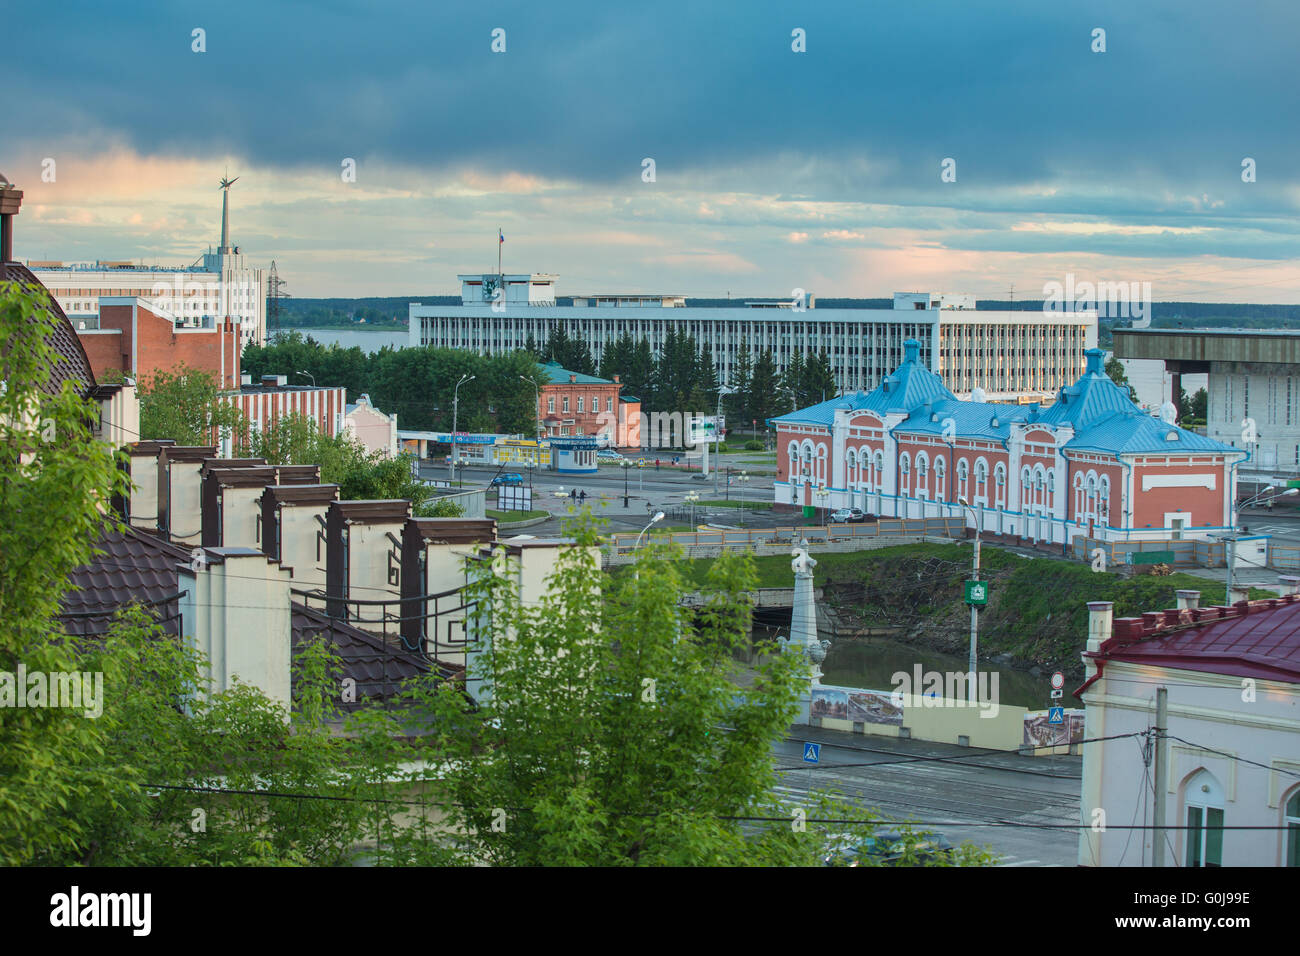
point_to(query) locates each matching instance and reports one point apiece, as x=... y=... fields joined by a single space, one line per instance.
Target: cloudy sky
x=774 y=169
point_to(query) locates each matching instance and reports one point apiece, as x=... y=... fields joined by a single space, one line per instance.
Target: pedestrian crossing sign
x=1056 y=715
x=812 y=753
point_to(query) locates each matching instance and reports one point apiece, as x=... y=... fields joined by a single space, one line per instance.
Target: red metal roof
x=1259 y=639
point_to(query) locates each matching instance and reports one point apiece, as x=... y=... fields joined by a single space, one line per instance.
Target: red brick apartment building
x=139 y=338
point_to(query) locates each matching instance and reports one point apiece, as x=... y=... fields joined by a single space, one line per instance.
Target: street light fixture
x=659 y=516
x=692 y=497
x=743 y=479
x=971 y=694
x=625 y=465
x=821 y=493
x=717 y=434
x=455 y=416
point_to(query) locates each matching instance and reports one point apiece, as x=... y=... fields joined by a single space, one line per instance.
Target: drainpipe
x=1128 y=500
x=1069 y=498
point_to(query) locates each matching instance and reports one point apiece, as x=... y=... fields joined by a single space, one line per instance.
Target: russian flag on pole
x=501 y=236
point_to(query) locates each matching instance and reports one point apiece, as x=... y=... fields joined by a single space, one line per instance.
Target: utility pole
x=1161 y=776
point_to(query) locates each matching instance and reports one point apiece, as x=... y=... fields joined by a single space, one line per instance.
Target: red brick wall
x=1205 y=505
x=587 y=422
x=157 y=346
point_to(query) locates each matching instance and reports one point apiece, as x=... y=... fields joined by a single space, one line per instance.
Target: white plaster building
x=1016 y=356
x=1232 y=678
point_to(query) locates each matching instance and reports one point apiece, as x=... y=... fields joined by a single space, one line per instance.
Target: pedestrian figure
x=573 y=493
x=583 y=495
x=656 y=464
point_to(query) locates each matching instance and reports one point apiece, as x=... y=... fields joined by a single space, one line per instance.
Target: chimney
x=433 y=563
x=617 y=380
x=245 y=378
x=1100 y=617
x=573 y=379
x=179 y=483
x=11 y=200
x=1289 y=584
x=363 y=557
x=142 y=507
x=1188 y=600
x=1239 y=593
x=293 y=525
x=232 y=515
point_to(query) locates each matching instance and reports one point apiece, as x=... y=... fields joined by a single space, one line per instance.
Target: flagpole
x=499 y=245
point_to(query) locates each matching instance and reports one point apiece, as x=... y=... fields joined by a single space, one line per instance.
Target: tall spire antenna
x=226 y=183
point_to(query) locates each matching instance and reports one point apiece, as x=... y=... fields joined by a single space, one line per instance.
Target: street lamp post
x=821 y=493
x=309 y=375
x=1232 y=532
x=743 y=479
x=971 y=695
x=625 y=464
x=691 y=498
x=455 y=420
x=717 y=434
x=640 y=475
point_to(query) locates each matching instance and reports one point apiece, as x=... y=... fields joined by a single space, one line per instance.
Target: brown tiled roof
x=73 y=365
x=132 y=567
x=377 y=668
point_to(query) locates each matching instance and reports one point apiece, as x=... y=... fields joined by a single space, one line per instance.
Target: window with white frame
x=963 y=473
x=940 y=488
x=1203 y=798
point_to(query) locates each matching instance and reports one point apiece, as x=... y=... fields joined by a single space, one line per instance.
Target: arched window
x=1078 y=497
x=982 y=479
x=904 y=478
x=1051 y=490
x=794 y=459
x=922 y=469
x=1203 y=798
x=867 y=469
x=963 y=472
x=1103 y=500
x=1291 y=820
x=940 y=487
x=1000 y=485
x=821 y=464
x=850 y=468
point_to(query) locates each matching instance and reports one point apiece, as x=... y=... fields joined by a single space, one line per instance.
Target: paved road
x=951 y=795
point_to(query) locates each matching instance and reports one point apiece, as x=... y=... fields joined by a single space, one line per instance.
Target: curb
x=526 y=523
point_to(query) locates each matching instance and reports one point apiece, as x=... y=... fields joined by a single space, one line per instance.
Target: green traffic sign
x=977 y=592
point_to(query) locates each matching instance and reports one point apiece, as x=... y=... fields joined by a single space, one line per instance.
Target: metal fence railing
x=622 y=543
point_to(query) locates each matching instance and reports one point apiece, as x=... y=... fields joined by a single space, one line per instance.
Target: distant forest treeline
x=391 y=311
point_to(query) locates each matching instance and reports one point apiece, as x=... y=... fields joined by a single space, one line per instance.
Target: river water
x=368 y=341
x=871 y=664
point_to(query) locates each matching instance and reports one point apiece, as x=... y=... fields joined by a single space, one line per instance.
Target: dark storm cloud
x=1013 y=92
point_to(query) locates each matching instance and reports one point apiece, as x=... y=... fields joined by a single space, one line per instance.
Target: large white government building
x=218 y=285
x=1009 y=356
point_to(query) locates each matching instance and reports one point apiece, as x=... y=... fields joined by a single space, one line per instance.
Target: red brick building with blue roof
x=1091 y=463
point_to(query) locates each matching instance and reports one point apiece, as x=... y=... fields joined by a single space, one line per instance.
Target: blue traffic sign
x=812 y=753
x=1056 y=715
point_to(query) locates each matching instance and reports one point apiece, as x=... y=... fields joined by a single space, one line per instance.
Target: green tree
x=56 y=481
x=818 y=380
x=765 y=401
x=639 y=750
x=793 y=380
x=184 y=404
x=1115 y=371
x=737 y=402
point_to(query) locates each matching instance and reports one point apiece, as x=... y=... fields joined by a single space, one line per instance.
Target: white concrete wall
x=1208 y=712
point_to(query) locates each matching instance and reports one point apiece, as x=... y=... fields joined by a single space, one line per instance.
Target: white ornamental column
x=803 y=625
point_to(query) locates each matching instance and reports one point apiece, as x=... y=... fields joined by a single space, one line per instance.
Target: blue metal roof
x=908 y=386
x=991 y=420
x=1102 y=414
x=1120 y=434
x=1093 y=397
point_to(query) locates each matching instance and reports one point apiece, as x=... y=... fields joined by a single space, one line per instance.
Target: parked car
x=856 y=515
x=509 y=478
x=843 y=516
x=887 y=848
